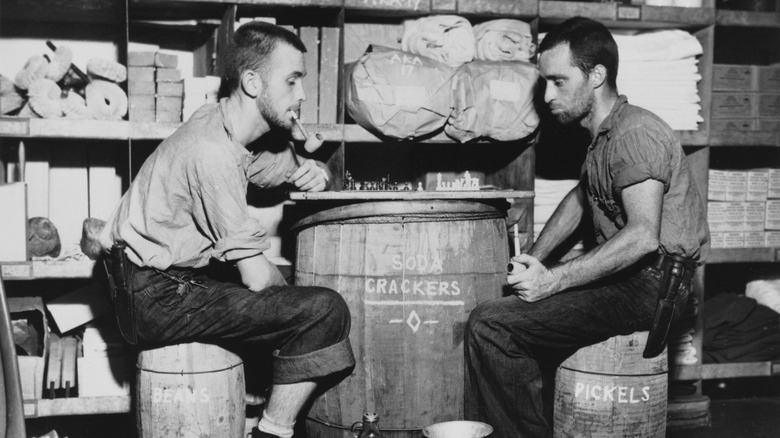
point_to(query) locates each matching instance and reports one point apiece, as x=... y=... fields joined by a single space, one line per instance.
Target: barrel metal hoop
x=412 y=218
x=189 y=373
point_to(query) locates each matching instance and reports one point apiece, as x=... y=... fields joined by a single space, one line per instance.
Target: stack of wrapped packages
x=475 y=82
x=659 y=72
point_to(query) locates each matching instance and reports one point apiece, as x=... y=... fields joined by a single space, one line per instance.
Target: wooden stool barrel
x=190 y=390
x=609 y=390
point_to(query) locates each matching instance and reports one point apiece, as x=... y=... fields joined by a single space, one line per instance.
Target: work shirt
x=632 y=146
x=188 y=202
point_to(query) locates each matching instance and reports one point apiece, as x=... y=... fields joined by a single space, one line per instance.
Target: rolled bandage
x=445 y=38
x=59 y=64
x=44 y=95
x=515 y=267
x=504 y=40
x=35 y=68
x=108 y=70
x=106 y=100
x=75 y=107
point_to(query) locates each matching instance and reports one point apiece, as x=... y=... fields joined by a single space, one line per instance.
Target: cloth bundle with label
x=504 y=40
x=399 y=94
x=494 y=100
x=445 y=38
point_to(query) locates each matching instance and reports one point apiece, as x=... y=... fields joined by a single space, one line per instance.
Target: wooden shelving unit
x=700 y=21
x=59 y=407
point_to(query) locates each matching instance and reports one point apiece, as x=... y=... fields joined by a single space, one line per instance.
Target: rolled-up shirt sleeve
x=225 y=217
x=640 y=156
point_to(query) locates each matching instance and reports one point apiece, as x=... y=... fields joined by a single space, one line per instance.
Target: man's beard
x=581 y=107
x=271 y=117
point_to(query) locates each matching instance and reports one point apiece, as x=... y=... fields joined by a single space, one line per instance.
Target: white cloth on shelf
x=504 y=40
x=765 y=292
x=445 y=38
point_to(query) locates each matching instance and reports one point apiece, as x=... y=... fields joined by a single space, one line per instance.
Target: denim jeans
x=513 y=348
x=304 y=329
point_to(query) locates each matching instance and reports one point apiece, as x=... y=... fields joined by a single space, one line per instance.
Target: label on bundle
x=506 y=91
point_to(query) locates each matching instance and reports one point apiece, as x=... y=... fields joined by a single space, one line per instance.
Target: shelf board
x=64 y=128
x=727 y=17
x=37 y=270
x=744 y=138
x=77 y=406
x=685 y=372
x=710 y=371
x=409 y=195
x=617 y=15
x=743 y=255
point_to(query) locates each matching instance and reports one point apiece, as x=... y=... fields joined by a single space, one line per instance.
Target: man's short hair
x=250 y=48
x=590 y=43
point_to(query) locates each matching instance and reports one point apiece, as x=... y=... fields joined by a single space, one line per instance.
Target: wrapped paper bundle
x=494 y=100
x=445 y=38
x=504 y=40
x=399 y=94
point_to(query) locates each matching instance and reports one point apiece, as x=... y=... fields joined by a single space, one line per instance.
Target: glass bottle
x=369 y=428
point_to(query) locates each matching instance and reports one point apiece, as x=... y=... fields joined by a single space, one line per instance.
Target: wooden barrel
x=410 y=272
x=610 y=390
x=190 y=391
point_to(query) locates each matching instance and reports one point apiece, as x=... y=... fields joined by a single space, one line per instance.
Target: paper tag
x=506 y=91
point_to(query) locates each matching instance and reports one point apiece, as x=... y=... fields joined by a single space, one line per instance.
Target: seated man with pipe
x=650 y=228
x=197 y=271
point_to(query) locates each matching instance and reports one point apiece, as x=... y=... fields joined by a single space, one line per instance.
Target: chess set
x=465 y=183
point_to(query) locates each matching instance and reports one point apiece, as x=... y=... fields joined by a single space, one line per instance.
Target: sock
x=269 y=425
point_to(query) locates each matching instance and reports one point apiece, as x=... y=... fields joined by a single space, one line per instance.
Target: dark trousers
x=512 y=348
x=304 y=329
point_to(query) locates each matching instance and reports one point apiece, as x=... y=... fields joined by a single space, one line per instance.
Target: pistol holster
x=676 y=275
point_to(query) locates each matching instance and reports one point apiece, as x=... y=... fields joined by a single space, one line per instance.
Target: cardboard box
x=757 y=184
x=733 y=239
x=731 y=77
x=768 y=105
x=135 y=74
x=13 y=217
x=140 y=59
x=773 y=185
x=734 y=124
x=729 y=105
x=166 y=60
x=772 y=239
x=717 y=186
x=772 y=215
x=737 y=186
x=140 y=87
x=768 y=78
x=31 y=367
x=755 y=215
x=168 y=104
x=717 y=240
x=772 y=125
x=167 y=75
x=755 y=239
x=103 y=376
x=172 y=89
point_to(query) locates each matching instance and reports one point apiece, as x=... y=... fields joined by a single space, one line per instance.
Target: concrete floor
x=734 y=418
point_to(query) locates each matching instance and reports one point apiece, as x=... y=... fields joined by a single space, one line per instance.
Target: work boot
x=256 y=433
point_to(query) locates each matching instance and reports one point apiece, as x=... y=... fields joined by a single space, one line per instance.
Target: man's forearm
x=561 y=225
x=627 y=247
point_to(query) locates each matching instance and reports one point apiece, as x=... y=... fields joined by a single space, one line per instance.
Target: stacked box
x=155 y=87
x=169 y=88
x=140 y=86
x=744 y=207
x=197 y=92
x=745 y=98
